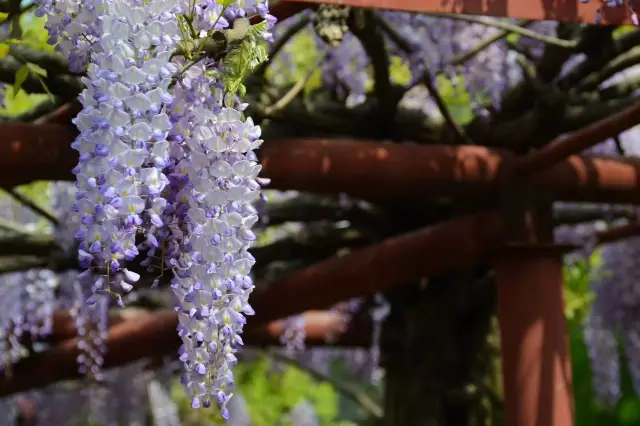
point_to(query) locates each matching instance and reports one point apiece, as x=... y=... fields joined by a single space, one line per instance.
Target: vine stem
x=427 y=79
x=15 y=227
x=297 y=88
x=517 y=29
x=21 y=199
x=469 y=54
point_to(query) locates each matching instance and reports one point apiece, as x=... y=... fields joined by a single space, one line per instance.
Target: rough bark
x=433 y=346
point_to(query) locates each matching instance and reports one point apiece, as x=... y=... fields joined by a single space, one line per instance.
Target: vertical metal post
x=534 y=344
x=535 y=354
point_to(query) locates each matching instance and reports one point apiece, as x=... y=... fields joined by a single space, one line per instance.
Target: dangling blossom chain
x=167 y=163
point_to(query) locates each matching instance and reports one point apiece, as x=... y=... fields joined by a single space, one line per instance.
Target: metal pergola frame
x=556 y=10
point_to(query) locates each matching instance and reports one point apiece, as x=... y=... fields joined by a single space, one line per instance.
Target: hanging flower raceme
x=122 y=142
x=293 y=335
x=212 y=278
x=167 y=164
x=72 y=27
x=218 y=175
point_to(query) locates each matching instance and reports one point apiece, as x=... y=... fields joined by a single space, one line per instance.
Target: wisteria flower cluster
x=616 y=3
x=167 y=164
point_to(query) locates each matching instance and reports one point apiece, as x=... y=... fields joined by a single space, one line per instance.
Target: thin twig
x=14 y=227
x=14 y=18
x=619 y=64
x=21 y=263
x=296 y=89
x=429 y=83
x=282 y=41
x=32 y=206
x=513 y=28
x=363 y=400
x=471 y=53
x=364 y=25
x=619 y=146
x=426 y=79
x=521 y=50
x=530 y=72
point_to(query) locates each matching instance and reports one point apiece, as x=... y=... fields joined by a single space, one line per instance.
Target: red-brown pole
x=563 y=11
x=535 y=355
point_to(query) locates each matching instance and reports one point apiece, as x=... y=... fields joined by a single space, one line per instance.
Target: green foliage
x=35 y=36
x=399 y=72
x=270 y=396
x=455 y=95
x=300 y=52
x=21 y=77
x=578 y=299
x=242 y=61
x=577 y=294
x=623 y=30
x=38 y=192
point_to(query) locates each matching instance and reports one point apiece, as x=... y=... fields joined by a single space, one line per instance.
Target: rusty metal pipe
x=535 y=355
x=317 y=325
x=565 y=11
x=374 y=170
x=432 y=251
x=364 y=169
x=154 y=335
x=566 y=145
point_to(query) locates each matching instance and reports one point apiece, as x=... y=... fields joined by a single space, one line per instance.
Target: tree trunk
x=433 y=349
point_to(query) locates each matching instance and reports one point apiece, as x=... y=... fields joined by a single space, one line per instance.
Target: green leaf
x=37 y=70
x=4 y=50
x=21 y=77
x=225 y=3
x=257 y=29
x=629 y=411
x=3 y=16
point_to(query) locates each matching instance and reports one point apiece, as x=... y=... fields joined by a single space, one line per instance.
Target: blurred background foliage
x=272 y=393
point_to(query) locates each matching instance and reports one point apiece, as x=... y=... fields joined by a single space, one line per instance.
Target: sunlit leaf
x=21 y=77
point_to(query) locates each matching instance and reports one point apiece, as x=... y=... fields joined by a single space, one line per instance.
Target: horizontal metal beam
x=364 y=169
x=432 y=251
x=567 y=11
x=154 y=335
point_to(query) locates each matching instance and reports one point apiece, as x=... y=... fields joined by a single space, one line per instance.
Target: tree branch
x=620 y=63
x=573 y=214
x=311 y=208
x=38 y=111
x=469 y=54
x=595 y=62
x=148 y=336
x=67 y=87
x=22 y=263
x=516 y=29
x=295 y=90
x=363 y=25
x=32 y=245
x=317 y=245
x=49 y=61
x=31 y=205
x=428 y=80
x=281 y=42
